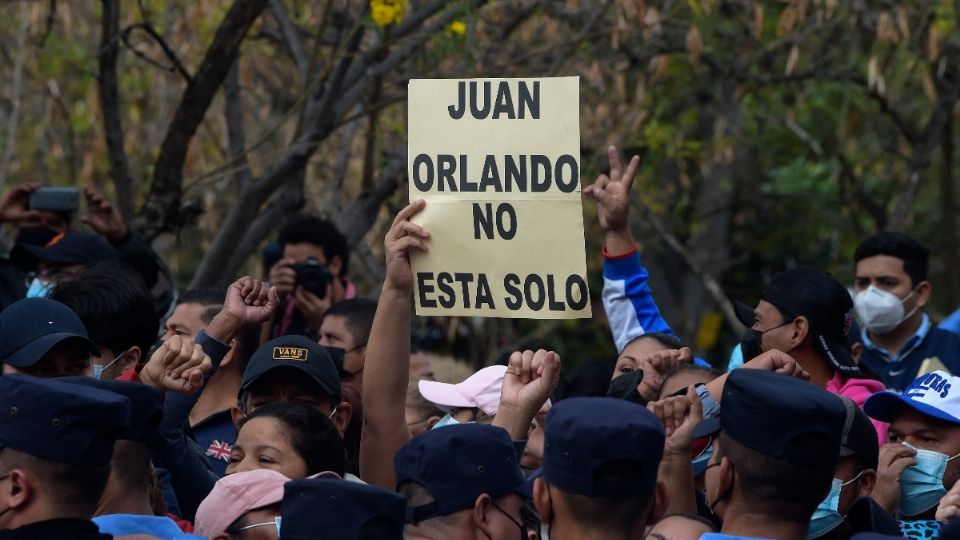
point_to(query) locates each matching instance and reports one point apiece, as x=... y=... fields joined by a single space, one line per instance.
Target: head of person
x=680 y=527
x=890 y=280
x=57 y=442
x=44 y=338
x=461 y=481
x=926 y=417
x=421 y=414
x=320 y=240
x=641 y=347
x=477 y=397
x=292 y=438
x=775 y=449
x=131 y=471
x=680 y=378
x=600 y=466
x=346 y=325
x=244 y=505
x=805 y=313
x=293 y=368
x=337 y=509
x=420 y=367
x=116 y=308
x=59 y=259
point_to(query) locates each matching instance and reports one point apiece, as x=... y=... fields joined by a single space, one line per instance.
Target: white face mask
x=880 y=311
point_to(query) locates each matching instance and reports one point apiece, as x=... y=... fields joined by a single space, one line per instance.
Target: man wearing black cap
x=600 y=463
x=43 y=338
x=338 y=510
x=807 y=314
x=775 y=453
x=59 y=259
x=461 y=481
x=293 y=368
x=57 y=442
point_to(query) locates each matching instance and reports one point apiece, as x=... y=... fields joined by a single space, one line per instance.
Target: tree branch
x=110 y=107
x=17 y=83
x=176 y=66
x=236 y=133
x=291 y=38
x=161 y=211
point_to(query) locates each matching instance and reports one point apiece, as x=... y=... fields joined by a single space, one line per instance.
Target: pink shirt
x=858 y=390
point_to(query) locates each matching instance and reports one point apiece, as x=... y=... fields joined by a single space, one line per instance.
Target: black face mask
x=625 y=387
x=35 y=236
x=750 y=344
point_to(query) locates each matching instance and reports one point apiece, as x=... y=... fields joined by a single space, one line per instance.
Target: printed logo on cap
x=290 y=353
x=931 y=382
x=55 y=240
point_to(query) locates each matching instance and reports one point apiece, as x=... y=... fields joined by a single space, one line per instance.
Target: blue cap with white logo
x=29 y=328
x=935 y=394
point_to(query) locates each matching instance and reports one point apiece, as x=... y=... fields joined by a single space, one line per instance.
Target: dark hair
x=667 y=340
x=713 y=373
x=114 y=305
x=895 y=244
x=776 y=487
x=309 y=431
x=319 y=232
x=73 y=488
x=620 y=514
x=589 y=379
x=211 y=298
x=691 y=517
x=358 y=314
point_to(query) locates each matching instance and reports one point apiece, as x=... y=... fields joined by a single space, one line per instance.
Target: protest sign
x=497 y=161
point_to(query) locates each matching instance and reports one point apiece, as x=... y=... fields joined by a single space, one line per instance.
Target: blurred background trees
x=772 y=133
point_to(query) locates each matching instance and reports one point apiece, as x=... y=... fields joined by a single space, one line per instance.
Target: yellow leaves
x=792 y=60
x=387 y=12
x=457 y=27
x=694 y=43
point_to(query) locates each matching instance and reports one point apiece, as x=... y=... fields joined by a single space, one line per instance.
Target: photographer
x=310 y=276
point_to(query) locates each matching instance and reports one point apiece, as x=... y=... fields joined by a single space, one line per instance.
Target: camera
x=55 y=199
x=313 y=276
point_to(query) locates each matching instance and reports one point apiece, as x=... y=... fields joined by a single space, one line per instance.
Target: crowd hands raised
x=289 y=408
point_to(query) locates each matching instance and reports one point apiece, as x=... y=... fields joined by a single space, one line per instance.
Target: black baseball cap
x=338 y=509
x=29 y=328
x=775 y=414
x=859 y=437
x=71 y=247
x=294 y=352
x=146 y=406
x=583 y=434
x=456 y=464
x=824 y=302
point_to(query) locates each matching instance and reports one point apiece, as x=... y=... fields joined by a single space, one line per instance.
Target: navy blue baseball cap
x=457 y=464
x=29 y=328
x=340 y=510
x=71 y=247
x=776 y=415
x=146 y=406
x=585 y=434
x=295 y=352
x=59 y=421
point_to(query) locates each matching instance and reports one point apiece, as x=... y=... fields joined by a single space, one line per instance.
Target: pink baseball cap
x=481 y=390
x=236 y=494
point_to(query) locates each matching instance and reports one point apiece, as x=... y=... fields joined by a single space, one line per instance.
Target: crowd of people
x=288 y=407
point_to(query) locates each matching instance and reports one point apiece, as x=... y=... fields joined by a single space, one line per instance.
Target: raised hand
x=177 y=365
x=612 y=193
x=679 y=414
x=402 y=237
x=949 y=507
x=283 y=277
x=894 y=458
x=14 y=203
x=527 y=384
x=248 y=302
x=656 y=365
x=779 y=362
x=103 y=217
x=312 y=306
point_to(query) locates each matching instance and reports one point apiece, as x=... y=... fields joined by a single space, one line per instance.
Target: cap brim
x=744 y=314
x=28 y=255
x=838 y=354
x=883 y=406
x=443 y=395
x=299 y=366
x=32 y=352
x=706 y=428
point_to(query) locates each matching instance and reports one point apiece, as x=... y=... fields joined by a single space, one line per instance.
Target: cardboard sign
x=498 y=163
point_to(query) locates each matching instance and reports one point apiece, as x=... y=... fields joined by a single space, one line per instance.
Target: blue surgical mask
x=445 y=421
x=98 y=369
x=921 y=486
x=38 y=289
x=827 y=515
